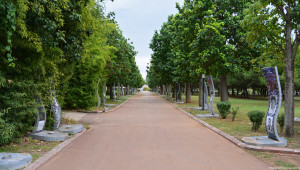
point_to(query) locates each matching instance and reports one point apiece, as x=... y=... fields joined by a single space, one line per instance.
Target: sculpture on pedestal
x=274 y=91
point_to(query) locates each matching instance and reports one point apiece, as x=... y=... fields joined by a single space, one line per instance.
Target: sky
x=138 y=19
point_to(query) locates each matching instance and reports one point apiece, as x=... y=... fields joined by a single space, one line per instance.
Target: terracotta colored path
x=148 y=133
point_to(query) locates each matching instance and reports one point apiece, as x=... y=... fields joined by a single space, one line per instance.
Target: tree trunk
x=224 y=89
x=119 y=90
x=290 y=54
x=111 y=92
x=200 y=92
x=232 y=92
x=188 y=92
x=174 y=91
x=179 y=92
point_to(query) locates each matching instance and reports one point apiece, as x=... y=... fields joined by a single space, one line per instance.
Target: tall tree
x=278 y=22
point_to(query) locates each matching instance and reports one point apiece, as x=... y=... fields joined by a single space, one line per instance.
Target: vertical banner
x=114 y=91
x=212 y=93
x=40 y=116
x=57 y=113
x=274 y=89
x=104 y=94
x=205 y=93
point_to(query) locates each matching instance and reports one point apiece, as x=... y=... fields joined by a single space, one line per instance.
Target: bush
x=280 y=121
x=256 y=117
x=234 y=111
x=7 y=132
x=224 y=108
x=17 y=110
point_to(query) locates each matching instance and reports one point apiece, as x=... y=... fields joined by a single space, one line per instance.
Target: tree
x=278 y=21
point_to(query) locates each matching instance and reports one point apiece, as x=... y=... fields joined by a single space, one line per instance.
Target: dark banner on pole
x=274 y=89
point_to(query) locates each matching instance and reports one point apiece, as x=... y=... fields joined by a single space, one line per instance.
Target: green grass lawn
x=241 y=127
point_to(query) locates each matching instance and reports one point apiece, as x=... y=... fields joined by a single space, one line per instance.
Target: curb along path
x=236 y=141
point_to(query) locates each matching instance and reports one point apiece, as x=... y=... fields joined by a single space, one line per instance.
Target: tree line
x=69 y=47
x=230 y=40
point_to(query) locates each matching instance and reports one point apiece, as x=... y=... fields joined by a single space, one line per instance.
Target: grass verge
x=241 y=126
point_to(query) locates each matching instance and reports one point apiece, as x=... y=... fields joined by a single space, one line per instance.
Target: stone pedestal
x=118 y=101
x=264 y=141
x=207 y=115
x=49 y=136
x=297 y=121
x=110 y=105
x=71 y=129
x=14 y=160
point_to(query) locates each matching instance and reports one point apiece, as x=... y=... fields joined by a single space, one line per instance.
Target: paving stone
x=264 y=141
x=71 y=129
x=12 y=161
x=207 y=115
x=49 y=135
x=110 y=105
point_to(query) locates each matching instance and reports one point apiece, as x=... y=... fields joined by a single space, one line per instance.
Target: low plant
x=280 y=121
x=256 y=117
x=234 y=112
x=224 y=109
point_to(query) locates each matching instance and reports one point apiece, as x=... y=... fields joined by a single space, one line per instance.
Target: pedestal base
x=14 y=160
x=207 y=115
x=110 y=105
x=117 y=100
x=87 y=111
x=196 y=108
x=49 y=136
x=264 y=141
x=71 y=129
x=297 y=121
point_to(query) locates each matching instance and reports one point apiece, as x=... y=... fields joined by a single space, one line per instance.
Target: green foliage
x=18 y=111
x=60 y=46
x=224 y=108
x=280 y=121
x=234 y=112
x=256 y=117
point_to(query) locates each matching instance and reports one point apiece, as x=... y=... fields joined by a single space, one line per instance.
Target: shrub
x=256 y=117
x=224 y=108
x=234 y=111
x=7 y=132
x=17 y=110
x=280 y=121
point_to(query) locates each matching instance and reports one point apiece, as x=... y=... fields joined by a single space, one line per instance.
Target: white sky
x=138 y=19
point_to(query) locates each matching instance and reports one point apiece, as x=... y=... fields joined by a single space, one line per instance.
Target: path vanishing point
x=147 y=133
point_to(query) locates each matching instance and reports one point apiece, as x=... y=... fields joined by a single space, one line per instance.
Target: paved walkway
x=149 y=134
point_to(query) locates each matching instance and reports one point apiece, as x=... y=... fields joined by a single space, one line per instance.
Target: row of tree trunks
x=200 y=92
x=224 y=89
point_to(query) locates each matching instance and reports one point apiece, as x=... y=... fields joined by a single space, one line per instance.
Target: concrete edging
x=47 y=156
x=236 y=141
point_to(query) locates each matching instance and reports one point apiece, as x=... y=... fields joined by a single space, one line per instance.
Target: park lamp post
x=203 y=77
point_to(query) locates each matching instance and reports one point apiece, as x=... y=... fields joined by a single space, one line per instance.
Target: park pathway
x=147 y=133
